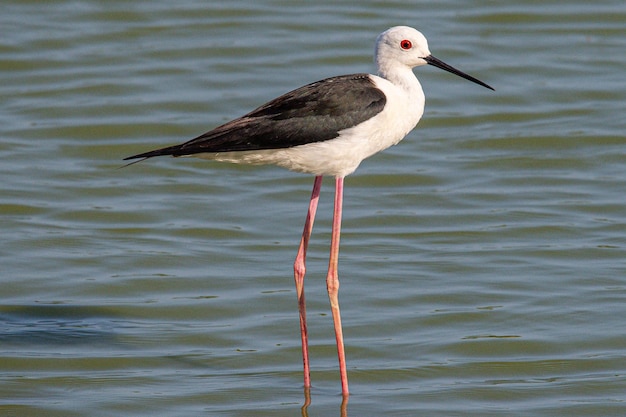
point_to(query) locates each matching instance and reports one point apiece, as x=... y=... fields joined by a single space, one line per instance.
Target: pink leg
x=332 y=284
x=299 y=269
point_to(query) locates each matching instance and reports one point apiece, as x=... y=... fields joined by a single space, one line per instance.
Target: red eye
x=406 y=44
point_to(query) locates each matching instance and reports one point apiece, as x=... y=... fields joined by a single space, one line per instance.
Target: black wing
x=312 y=113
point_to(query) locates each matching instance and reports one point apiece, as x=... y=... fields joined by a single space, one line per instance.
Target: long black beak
x=435 y=62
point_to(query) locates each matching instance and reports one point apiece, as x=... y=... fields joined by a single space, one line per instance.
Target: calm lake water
x=483 y=259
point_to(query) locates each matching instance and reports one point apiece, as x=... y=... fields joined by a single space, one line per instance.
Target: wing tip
x=140 y=157
x=170 y=150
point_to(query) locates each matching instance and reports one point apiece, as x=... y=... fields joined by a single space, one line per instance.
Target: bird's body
x=327 y=128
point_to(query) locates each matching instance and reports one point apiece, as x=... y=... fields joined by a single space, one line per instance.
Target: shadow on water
x=55 y=325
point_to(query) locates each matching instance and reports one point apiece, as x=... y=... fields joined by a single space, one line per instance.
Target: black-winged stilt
x=327 y=128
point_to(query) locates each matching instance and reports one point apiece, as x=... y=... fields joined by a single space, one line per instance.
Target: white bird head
x=404 y=47
x=401 y=45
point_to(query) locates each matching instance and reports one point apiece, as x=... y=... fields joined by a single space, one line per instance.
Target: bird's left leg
x=299 y=269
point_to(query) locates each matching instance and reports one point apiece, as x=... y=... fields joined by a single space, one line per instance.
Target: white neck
x=401 y=76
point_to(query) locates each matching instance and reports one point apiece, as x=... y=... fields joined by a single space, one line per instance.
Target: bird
x=327 y=128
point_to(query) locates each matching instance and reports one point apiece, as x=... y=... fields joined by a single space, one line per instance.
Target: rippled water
x=483 y=259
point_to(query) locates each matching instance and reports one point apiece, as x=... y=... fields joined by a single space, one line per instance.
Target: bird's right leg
x=299 y=269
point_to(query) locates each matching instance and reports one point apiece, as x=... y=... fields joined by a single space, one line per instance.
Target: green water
x=483 y=259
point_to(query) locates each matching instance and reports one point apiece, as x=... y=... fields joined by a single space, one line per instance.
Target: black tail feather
x=170 y=150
